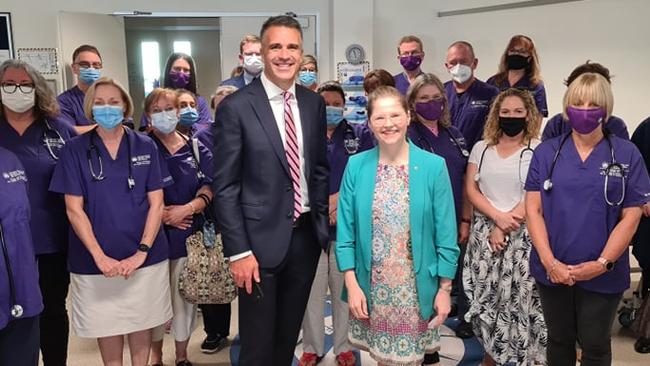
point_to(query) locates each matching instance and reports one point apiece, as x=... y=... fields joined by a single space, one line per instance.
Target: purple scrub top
x=49 y=221
x=206 y=137
x=71 y=102
x=348 y=139
x=450 y=144
x=205 y=119
x=538 y=91
x=183 y=168
x=402 y=82
x=469 y=110
x=117 y=214
x=557 y=126
x=578 y=219
x=14 y=218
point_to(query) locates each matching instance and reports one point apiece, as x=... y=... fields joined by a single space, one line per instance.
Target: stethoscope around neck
x=548 y=183
x=463 y=151
x=477 y=176
x=47 y=142
x=99 y=176
x=16 y=310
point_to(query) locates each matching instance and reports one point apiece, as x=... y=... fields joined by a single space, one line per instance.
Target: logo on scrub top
x=614 y=170
x=191 y=162
x=15 y=176
x=480 y=104
x=141 y=160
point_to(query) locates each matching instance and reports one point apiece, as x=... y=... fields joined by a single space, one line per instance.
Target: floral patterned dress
x=395 y=333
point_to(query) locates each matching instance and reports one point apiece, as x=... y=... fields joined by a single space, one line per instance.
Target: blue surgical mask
x=108 y=116
x=307 y=78
x=334 y=115
x=189 y=116
x=164 y=121
x=88 y=75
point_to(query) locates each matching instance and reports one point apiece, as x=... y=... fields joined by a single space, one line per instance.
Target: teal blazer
x=432 y=220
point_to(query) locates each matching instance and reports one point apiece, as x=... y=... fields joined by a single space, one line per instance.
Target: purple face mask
x=584 y=121
x=411 y=62
x=179 y=79
x=431 y=110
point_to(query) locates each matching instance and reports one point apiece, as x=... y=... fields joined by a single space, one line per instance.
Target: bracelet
x=192 y=207
x=205 y=199
x=445 y=288
x=549 y=273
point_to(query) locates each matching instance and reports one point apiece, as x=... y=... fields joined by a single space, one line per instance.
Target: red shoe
x=309 y=359
x=346 y=359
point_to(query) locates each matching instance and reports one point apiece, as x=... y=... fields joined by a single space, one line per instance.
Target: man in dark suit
x=250 y=60
x=271 y=195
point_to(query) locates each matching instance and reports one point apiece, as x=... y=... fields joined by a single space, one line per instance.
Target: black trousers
x=461 y=298
x=269 y=324
x=216 y=319
x=19 y=342
x=54 y=281
x=574 y=314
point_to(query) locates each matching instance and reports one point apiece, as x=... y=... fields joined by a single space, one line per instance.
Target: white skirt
x=104 y=307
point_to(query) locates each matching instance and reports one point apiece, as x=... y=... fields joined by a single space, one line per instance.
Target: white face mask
x=18 y=101
x=460 y=73
x=253 y=64
x=164 y=121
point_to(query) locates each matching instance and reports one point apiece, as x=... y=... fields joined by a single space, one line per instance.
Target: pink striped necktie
x=293 y=157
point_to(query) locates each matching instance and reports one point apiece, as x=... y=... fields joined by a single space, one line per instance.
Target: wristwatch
x=609 y=265
x=143 y=248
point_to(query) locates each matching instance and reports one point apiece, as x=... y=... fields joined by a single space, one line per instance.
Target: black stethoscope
x=48 y=141
x=93 y=148
x=477 y=176
x=463 y=151
x=613 y=164
x=16 y=310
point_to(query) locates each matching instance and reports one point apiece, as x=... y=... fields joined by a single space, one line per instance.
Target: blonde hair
x=309 y=59
x=532 y=71
x=158 y=93
x=250 y=38
x=45 y=104
x=492 y=132
x=412 y=94
x=221 y=90
x=589 y=87
x=89 y=99
x=409 y=39
x=385 y=92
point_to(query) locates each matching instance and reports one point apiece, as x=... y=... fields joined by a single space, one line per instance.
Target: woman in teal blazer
x=396 y=239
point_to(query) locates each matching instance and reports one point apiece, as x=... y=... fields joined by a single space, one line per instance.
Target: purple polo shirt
x=49 y=222
x=402 y=82
x=205 y=119
x=14 y=219
x=557 y=126
x=469 y=110
x=71 y=102
x=183 y=168
x=450 y=144
x=348 y=139
x=578 y=219
x=117 y=214
x=538 y=91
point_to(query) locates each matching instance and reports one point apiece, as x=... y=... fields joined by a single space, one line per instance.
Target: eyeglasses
x=87 y=65
x=11 y=88
x=382 y=120
x=411 y=53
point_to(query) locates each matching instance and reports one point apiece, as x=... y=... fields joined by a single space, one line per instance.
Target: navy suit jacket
x=237 y=81
x=252 y=186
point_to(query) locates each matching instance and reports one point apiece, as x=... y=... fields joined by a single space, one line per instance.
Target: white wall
x=613 y=33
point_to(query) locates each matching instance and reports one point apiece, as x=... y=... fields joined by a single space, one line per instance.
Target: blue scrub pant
x=19 y=342
x=573 y=314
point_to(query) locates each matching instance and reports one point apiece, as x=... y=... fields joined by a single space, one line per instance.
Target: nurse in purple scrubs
x=519 y=68
x=410 y=54
x=180 y=73
x=431 y=130
x=190 y=165
x=20 y=297
x=558 y=125
x=113 y=180
x=30 y=128
x=585 y=192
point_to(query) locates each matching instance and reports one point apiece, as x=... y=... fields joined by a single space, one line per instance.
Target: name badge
x=479 y=104
x=141 y=160
x=614 y=170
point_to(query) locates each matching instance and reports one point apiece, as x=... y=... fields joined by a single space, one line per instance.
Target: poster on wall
x=351 y=78
x=43 y=59
x=6 y=37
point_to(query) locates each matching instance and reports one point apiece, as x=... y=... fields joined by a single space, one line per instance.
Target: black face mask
x=517 y=62
x=512 y=126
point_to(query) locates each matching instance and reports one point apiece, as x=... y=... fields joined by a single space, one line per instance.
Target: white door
x=106 y=32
